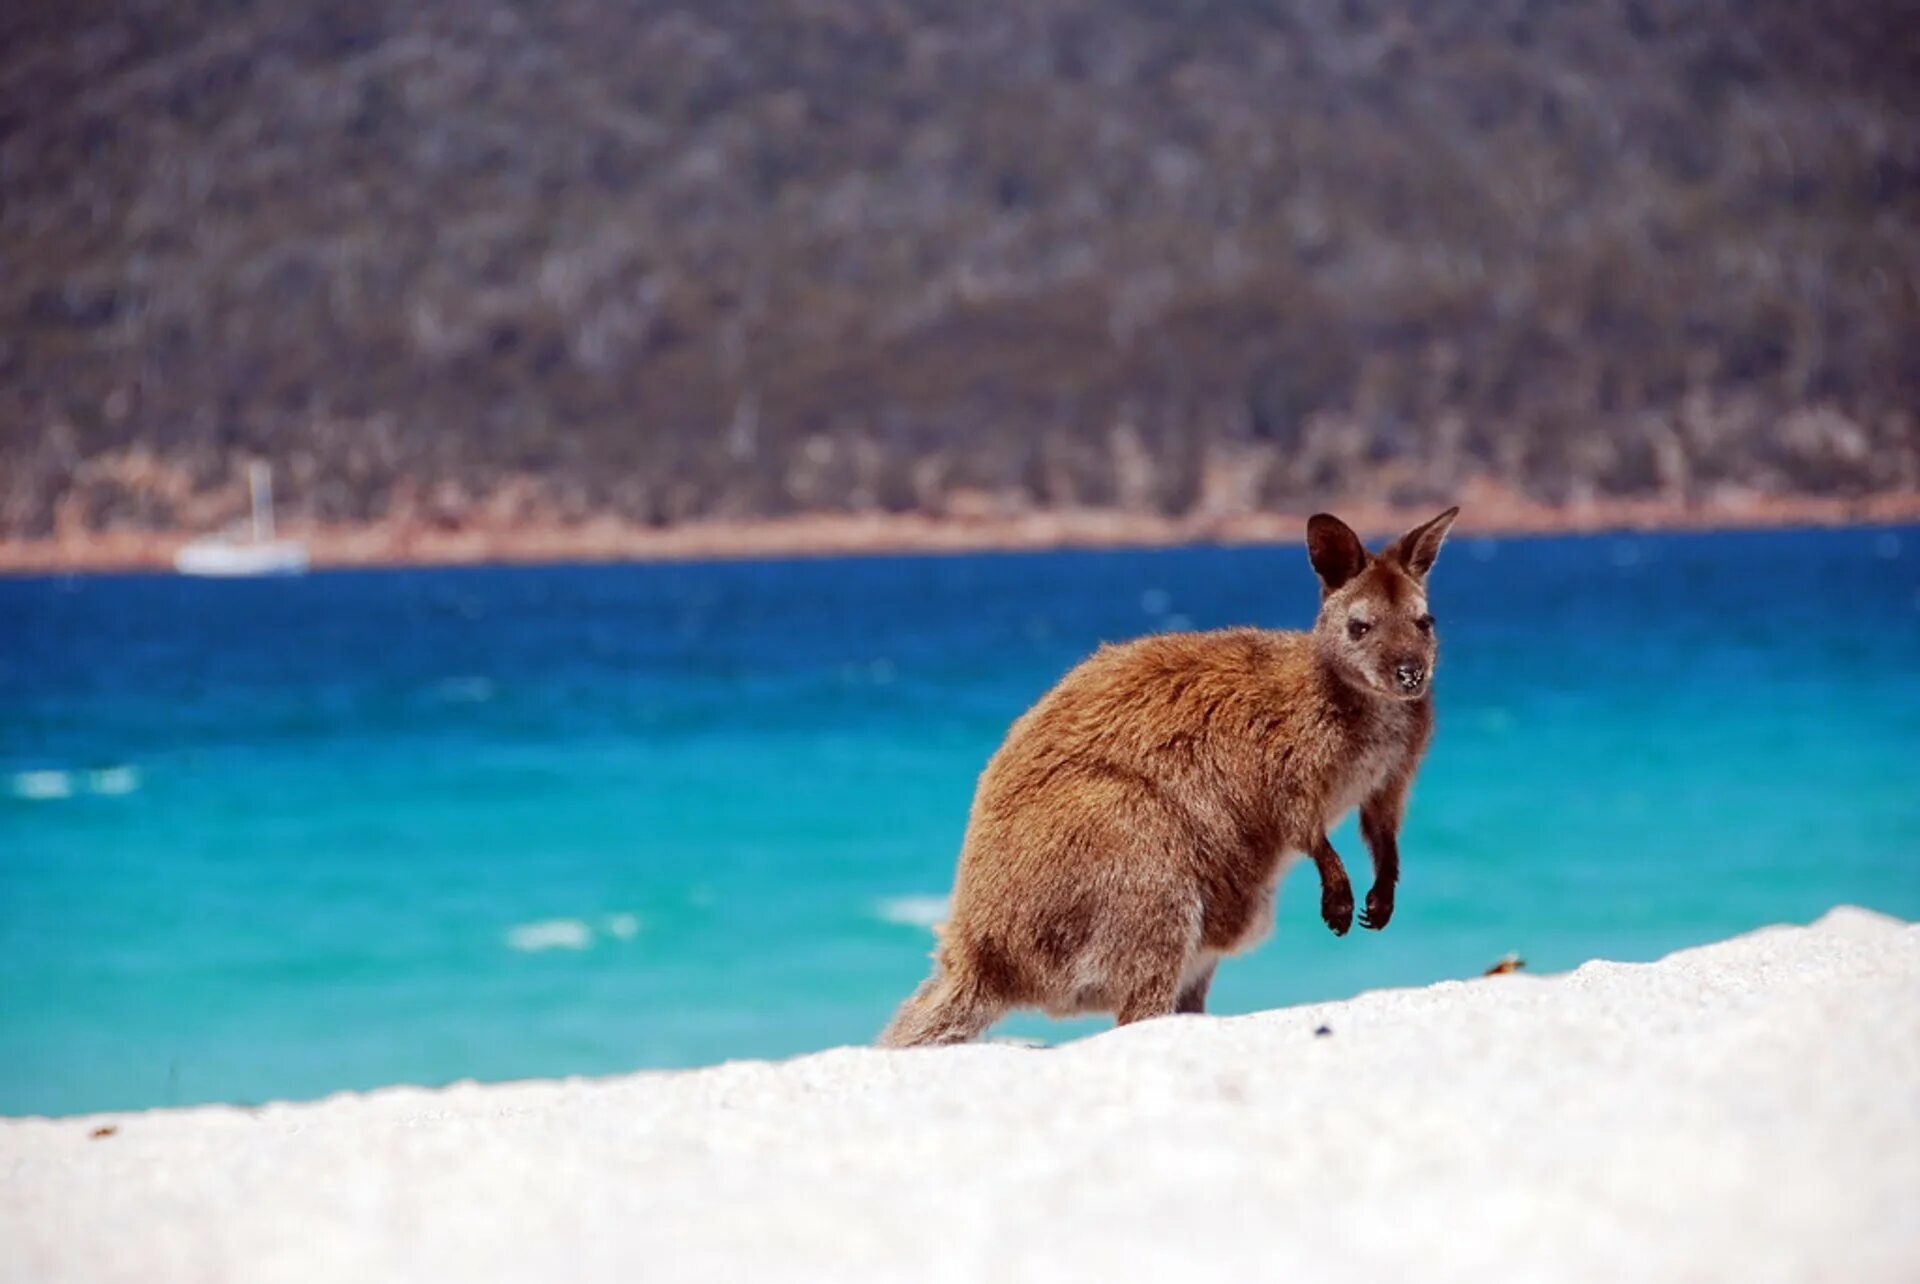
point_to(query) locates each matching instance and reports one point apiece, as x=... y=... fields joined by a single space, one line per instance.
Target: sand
x=1744 y=1111
x=484 y=537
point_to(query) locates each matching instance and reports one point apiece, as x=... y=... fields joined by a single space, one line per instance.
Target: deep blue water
x=274 y=839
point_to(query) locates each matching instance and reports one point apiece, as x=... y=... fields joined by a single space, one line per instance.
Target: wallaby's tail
x=947 y=1008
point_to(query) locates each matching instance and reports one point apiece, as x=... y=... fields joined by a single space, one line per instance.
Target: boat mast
x=260 y=479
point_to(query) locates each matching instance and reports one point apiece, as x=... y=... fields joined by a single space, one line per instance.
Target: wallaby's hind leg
x=1156 y=998
x=1146 y=979
x=1193 y=998
x=945 y=1009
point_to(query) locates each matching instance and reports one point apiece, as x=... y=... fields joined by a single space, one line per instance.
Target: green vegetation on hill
x=750 y=257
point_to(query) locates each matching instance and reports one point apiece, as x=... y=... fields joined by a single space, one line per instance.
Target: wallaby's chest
x=1371 y=753
x=1369 y=770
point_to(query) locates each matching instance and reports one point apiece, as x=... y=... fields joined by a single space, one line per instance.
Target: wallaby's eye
x=1424 y=624
x=1357 y=629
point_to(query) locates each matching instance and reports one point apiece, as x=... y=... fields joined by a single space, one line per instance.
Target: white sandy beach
x=1745 y=1111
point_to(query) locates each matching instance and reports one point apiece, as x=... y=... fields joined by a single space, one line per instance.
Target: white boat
x=254 y=553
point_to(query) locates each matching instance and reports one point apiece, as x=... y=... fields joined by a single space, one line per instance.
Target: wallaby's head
x=1374 y=625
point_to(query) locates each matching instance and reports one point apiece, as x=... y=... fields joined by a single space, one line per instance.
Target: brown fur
x=1134 y=826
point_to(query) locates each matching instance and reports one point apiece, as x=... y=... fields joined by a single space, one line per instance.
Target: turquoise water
x=276 y=839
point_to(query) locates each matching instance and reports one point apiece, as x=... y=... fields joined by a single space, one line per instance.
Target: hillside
x=767 y=257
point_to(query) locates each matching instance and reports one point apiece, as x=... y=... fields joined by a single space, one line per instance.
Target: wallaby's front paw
x=1379 y=909
x=1336 y=906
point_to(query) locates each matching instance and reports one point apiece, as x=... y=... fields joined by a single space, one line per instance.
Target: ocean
x=277 y=839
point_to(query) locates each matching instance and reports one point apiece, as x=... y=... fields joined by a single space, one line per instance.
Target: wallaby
x=1134 y=826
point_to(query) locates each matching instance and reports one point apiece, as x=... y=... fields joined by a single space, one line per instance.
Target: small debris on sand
x=1511 y=963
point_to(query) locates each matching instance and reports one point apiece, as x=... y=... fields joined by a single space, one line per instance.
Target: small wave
x=1497 y=721
x=550 y=934
x=51 y=783
x=114 y=781
x=569 y=933
x=913 y=911
x=39 y=785
x=1156 y=601
x=470 y=690
x=879 y=672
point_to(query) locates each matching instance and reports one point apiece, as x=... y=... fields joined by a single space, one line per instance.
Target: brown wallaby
x=1134 y=826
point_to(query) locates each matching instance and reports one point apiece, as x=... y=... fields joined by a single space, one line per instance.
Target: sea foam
x=569 y=933
x=50 y=783
x=114 y=781
x=913 y=911
x=550 y=934
x=40 y=785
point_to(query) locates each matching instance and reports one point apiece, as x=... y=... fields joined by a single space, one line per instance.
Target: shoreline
x=414 y=542
x=1735 y=1110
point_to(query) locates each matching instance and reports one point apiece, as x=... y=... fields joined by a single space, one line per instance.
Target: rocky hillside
x=750 y=257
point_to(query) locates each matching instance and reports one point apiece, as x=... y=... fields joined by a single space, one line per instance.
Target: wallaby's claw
x=1379 y=909
x=1336 y=906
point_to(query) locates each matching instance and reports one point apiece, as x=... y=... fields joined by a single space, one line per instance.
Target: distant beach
x=487 y=537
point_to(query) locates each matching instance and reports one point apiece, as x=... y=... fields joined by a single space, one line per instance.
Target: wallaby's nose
x=1411 y=675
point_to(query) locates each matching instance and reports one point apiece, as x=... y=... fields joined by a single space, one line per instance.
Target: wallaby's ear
x=1335 y=551
x=1418 y=547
